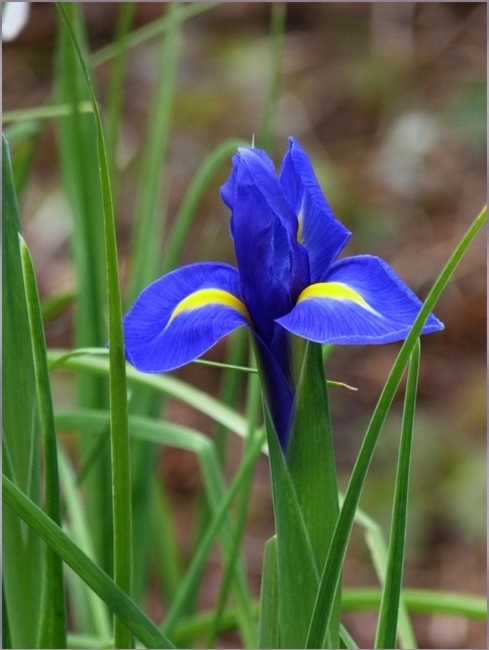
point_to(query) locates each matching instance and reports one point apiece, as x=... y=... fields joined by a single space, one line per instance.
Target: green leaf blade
x=329 y=580
x=22 y=573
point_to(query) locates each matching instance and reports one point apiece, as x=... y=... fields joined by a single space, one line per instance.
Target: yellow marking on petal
x=336 y=291
x=205 y=297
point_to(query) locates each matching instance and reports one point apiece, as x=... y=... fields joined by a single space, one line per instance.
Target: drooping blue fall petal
x=182 y=315
x=322 y=235
x=273 y=266
x=360 y=300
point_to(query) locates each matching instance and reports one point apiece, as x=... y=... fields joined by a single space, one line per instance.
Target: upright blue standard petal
x=286 y=240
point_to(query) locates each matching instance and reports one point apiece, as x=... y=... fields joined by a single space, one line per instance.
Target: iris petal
x=273 y=266
x=183 y=314
x=321 y=234
x=361 y=300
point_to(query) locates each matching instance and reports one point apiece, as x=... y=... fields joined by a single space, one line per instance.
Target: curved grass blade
x=252 y=415
x=76 y=141
x=152 y=30
x=22 y=549
x=153 y=431
x=331 y=574
x=166 y=384
x=391 y=595
x=268 y=633
x=52 y=629
x=374 y=537
x=95 y=578
x=87 y=610
x=186 y=213
x=420 y=601
x=121 y=481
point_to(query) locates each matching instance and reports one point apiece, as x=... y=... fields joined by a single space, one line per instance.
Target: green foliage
x=77 y=511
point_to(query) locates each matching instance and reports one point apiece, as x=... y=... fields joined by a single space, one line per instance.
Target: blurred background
x=389 y=101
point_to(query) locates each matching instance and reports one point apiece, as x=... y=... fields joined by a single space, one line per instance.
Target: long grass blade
x=52 y=629
x=153 y=431
x=147 y=32
x=76 y=137
x=298 y=577
x=331 y=574
x=149 y=215
x=375 y=539
x=391 y=595
x=310 y=459
x=121 y=481
x=419 y=601
x=22 y=573
x=252 y=415
x=166 y=384
x=268 y=631
x=95 y=578
x=86 y=608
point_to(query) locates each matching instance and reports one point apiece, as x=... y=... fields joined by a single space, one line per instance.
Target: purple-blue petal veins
x=286 y=240
x=359 y=300
x=273 y=266
x=321 y=234
x=183 y=314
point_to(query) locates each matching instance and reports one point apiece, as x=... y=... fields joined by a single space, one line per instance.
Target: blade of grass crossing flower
x=97 y=579
x=389 y=608
x=76 y=138
x=325 y=600
x=297 y=571
x=52 y=627
x=165 y=384
x=22 y=574
x=310 y=460
x=268 y=634
x=278 y=14
x=121 y=481
x=252 y=414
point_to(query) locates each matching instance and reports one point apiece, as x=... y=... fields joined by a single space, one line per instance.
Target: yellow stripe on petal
x=336 y=291
x=205 y=297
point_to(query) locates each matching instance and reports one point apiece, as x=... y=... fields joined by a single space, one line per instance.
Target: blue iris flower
x=286 y=240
